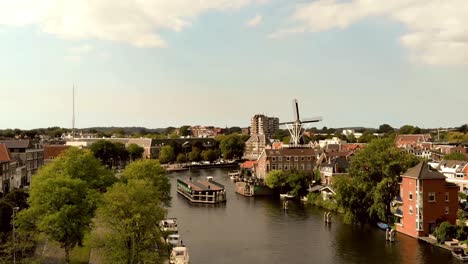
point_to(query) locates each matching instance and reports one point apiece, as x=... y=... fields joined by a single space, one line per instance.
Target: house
x=419 y=151
x=255 y=145
x=335 y=166
x=455 y=171
x=53 y=151
x=402 y=141
x=5 y=173
x=248 y=167
x=334 y=140
x=285 y=159
x=426 y=199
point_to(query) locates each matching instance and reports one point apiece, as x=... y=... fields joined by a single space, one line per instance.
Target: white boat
x=173 y=239
x=304 y=199
x=169 y=225
x=179 y=255
x=286 y=196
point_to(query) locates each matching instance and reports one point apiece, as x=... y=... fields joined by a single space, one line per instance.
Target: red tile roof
x=4 y=153
x=402 y=140
x=248 y=164
x=53 y=151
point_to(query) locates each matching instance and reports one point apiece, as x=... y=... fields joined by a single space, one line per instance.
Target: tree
x=463 y=128
x=109 y=153
x=372 y=184
x=457 y=137
x=80 y=164
x=455 y=156
x=62 y=207
x=276 y=179
x=166 y=154
x=181 y=158
x=351 y=139
x=150 y=170
x=366 y=137
x=407 y=129
x=184 y=131
x=232 y=146
x=194 y=155
x=131 y=212
x=135 y=152
x=386 y=128
x=209 y=155
x=16 y=198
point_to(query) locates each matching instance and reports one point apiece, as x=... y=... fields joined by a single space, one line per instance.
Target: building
x=426 y=199
x=456 y=171
x=5 y=173
x=254 y=146
x=53 y=151
x=331 y=141
x=205 y=131
x=335 y=163
x=302 y=159
x=401 y=141
x=263 y=125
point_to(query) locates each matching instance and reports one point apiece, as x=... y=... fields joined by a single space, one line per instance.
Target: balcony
x=398 y=200
x=398 y=212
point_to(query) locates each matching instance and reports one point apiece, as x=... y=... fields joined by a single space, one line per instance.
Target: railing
x=398 y=212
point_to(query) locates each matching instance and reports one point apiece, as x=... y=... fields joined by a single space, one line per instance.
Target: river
x=256 y=230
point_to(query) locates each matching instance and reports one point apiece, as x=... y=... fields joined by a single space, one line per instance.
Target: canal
x=257 y=230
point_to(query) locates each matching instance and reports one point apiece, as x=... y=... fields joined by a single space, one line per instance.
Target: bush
x=461 y=234
x=445 y=232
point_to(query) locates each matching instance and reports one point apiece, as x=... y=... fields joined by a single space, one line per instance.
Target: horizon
x=221 y=62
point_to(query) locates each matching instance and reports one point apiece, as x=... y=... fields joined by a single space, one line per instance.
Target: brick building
x=426 y=200
x=303 y=159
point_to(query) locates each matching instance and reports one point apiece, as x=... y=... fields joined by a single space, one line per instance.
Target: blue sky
x=356 y=63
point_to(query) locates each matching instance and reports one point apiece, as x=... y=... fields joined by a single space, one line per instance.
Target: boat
x=235 y=175
x=173 y=239
x=304 y=199
x=208 y=191
x=286 y=196
x=459 y=253
x=179 y=255
x=382 y=225
x=169 y=225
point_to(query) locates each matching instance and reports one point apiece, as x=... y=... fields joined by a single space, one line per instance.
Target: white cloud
x=83 y=49
x=437 y=30
x=255 y=21
x=135 y=22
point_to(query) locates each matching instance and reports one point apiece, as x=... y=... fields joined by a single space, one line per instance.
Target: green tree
x=166 y=154
x=366 y=137
x=130 y=213
x=232 y=146
x=463 y=128
x=181 y=158
x=351 y=139
x=62 y=207
x=457 y=137
x=407 y=129
x=372 y=184
x=445 y=231
x=184 y=131
x=150 y=170
x=209 y=155
x=276 y=179
x=135 y=151
x=386 y=128
x=109 y=153
x=195 y=154
x=455 y=156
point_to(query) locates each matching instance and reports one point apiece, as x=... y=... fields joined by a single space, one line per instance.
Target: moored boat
x=179 y=255
x=169 y=225
x=382 y=225
x=459 y=253
x=286 y=196
x=173 y=239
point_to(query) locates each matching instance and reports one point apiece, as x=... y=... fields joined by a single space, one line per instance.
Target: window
x=273 y=167
x=273 y=159
x=302 y=167
x=446 y=210
x=446 y=196
x=431 y=197
x=411 y=196
x=309 y=167
x=309 y=158
x=285 y=167
x=411 y=209
x=302 y=158
x=287 y=158
x=280 y=158
x=296 y=158
x=280 y=166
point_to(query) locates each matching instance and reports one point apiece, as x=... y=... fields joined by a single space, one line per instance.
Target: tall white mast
x=73 y=117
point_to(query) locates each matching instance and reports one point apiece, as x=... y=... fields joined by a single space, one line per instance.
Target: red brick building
x=303 y=159
x=426 y=200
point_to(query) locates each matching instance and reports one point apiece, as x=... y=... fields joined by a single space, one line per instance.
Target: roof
x=401 y=140
x=262 y=139
x=4 y=153
x=248 y=164
x=423 y=171
x=16 y=144
x=204 y=185
x=289 y=152
x=53 y=151
x=352 y=146
x=339 y=153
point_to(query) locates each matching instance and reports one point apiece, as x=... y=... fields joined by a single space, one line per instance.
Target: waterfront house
x=426 y=199
x=336 y=165
x=401 y=141
x=302 y=159
x=255 y=145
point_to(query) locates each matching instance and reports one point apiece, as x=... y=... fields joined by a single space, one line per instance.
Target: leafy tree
x=463 y=128
x=445 y=231
x=62 y=207
x=80 y=164
x=194 y=155
x=181 y=158
x=135 y=151
x=374 y=173
x=166 y=154
x=280 y=134
x=130 y=213
x=232 y=146
x=108 y=152
x=298 y=182
x=16 y=198
x=209 y=155
x=184 y=131
x=455 y=156
x=351 y=139
x=276 y=179
x=457 y=137
x=386 y=128
x=150 y=170
x=407 y=129
x=366 y=137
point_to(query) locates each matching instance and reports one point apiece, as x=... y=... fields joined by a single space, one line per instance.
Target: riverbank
x=188 y=166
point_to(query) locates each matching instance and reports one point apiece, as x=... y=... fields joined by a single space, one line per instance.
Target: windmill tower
x=295 y=127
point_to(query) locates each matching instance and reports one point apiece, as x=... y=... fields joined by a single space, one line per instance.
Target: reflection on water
x=257 y=230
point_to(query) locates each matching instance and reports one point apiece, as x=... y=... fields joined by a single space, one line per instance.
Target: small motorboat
x=459 y=253
x=169 y=225
x=304 y=199
x=179 y=255
x=173 y=239
x=286 y=196
x=382 y=225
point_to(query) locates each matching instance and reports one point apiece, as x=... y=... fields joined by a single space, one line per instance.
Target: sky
x=219 y=62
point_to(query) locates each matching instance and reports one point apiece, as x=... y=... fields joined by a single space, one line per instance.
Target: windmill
x=295 y=127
